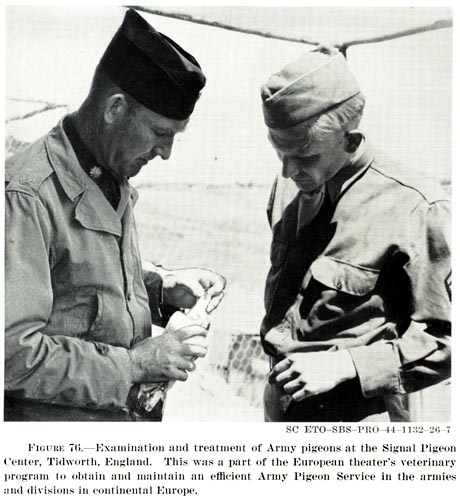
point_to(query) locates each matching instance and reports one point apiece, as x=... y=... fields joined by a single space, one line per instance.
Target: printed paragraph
x=188 y=468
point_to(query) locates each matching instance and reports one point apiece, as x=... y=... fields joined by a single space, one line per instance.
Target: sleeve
x=53 y=369
x=422 y=355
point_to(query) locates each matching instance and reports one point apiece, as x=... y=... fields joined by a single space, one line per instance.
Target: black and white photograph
x=228 y=214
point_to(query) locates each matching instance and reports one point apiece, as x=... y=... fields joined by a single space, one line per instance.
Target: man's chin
x=139 y=163
x=306 y=187
x=135 y=167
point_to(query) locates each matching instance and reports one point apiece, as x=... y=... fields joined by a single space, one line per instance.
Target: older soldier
x=79 y=305
x=358 y=295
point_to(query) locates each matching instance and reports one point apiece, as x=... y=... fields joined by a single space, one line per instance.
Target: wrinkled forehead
x=163 y=123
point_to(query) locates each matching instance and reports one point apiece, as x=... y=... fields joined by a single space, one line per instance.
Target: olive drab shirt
x=75 y=296
x=370 y=273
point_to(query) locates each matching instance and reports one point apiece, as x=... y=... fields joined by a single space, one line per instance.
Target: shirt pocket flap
x=343 y=276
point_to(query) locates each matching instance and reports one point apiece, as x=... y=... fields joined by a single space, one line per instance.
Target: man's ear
x=115 y=107
x=353 y=138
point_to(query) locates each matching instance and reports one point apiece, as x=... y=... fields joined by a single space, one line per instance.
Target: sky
x=51 y=52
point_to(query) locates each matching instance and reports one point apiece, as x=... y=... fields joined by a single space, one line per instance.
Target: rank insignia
x=95 y=172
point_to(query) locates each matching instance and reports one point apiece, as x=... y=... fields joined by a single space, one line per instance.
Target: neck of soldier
x=88 y=122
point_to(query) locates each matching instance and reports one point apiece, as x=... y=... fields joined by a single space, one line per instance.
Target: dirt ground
x=223 y=228
x=205 y=397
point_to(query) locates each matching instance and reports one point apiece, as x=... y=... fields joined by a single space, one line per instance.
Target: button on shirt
x=70 y=259
x=370 y=273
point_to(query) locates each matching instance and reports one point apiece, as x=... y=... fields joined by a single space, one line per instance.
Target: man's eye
x=161 y=133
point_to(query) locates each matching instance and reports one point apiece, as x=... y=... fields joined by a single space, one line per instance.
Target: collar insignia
x=95 y=172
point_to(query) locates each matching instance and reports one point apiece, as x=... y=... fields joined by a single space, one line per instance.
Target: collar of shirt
x=84 y=156
x=284 y=191
x=310 y=203
x=309 y=206
x=102 y=177
x=351 y=173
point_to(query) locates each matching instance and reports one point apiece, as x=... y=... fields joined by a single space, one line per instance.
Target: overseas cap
x=305 y=88
x=153 y=69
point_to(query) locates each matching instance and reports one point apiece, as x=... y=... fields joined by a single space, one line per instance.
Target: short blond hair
x=345 y=116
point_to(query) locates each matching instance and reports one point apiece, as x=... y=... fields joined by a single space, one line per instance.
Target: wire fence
x=245 y=365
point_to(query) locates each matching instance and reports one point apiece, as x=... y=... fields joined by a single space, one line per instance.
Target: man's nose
x=290 y=167
x=164 y=150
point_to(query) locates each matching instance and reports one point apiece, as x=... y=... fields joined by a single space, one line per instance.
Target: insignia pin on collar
x=95 y=172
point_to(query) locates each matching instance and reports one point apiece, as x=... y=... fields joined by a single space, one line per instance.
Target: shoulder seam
x=401 y=183
x=22 y=190
x=24 y=184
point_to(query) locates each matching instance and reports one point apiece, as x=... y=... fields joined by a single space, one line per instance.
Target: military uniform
x=370 y=273
x=75 y=295
x=77 y=298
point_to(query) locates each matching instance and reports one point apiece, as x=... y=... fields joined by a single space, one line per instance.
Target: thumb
x=189 y=331
x=183 y=326
x=177 y=321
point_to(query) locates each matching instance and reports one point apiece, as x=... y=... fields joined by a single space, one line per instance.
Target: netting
x=242 y=363
x=246 y=367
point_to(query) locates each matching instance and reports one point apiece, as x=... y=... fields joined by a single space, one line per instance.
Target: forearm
x=66 y=371
x=61 y=368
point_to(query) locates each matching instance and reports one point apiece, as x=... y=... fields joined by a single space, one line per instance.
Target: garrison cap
x=303 y=89
x=153 y=69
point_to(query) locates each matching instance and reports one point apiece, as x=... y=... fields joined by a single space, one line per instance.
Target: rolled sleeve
x=421 y=357
x=424 y=350
x=377 y=368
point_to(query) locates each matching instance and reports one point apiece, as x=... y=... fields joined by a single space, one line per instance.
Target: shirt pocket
x=83 y=316
x=340 y=300
x=99 y=311
x=344 y=277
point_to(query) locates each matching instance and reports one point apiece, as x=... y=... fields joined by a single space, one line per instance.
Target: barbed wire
x=218 y=24
x=48 y=106
x=20 y=99
x=342 y=46
x=437 y=25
